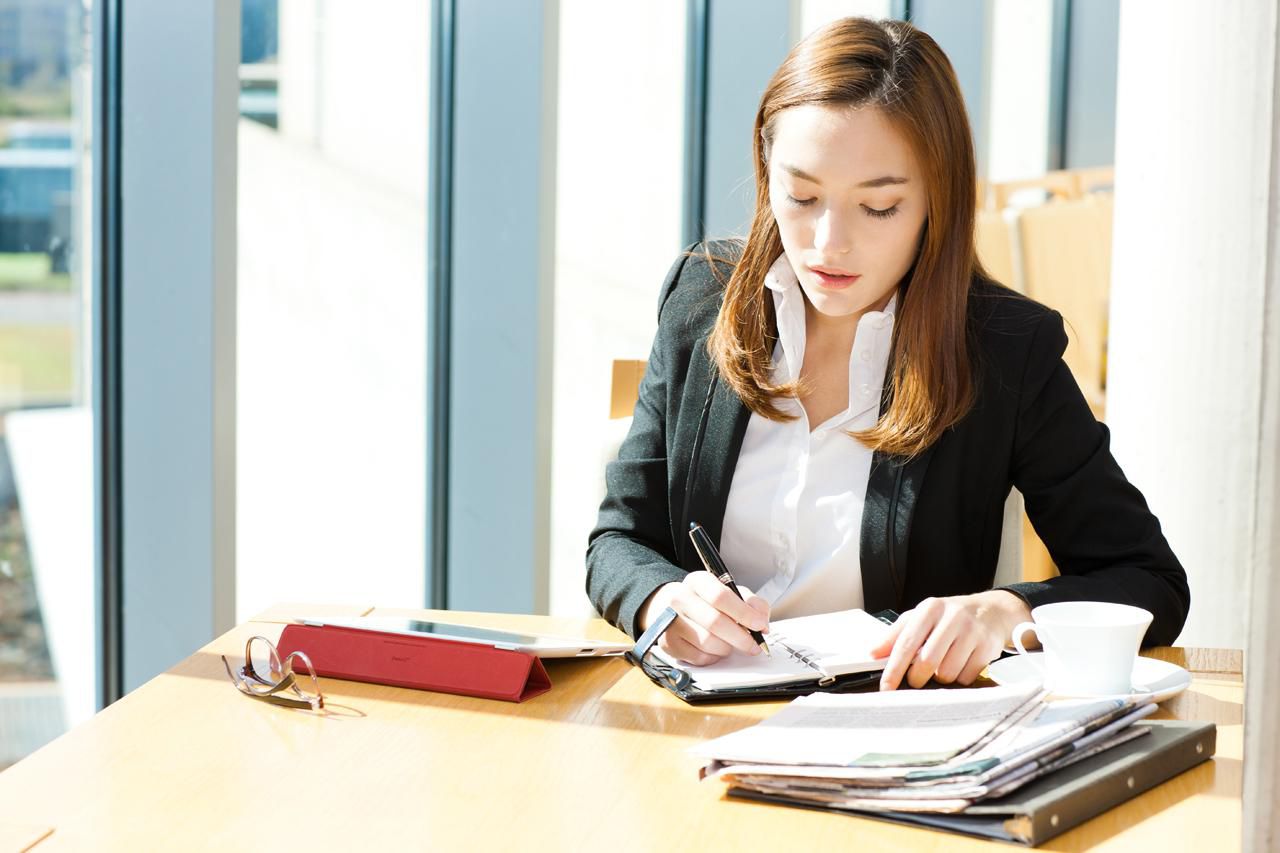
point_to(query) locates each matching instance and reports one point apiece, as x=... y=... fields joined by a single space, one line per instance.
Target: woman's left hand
x=949 y=639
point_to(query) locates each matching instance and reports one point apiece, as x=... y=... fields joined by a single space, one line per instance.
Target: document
x=946 y=798
x=814 y=648
x=1013 y=736
x=1030 y=804
x=916 y=728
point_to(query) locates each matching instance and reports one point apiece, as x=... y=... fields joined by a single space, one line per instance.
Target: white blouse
x=793 y=520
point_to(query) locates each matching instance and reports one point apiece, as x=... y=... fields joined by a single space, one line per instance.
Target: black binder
x=681 y=683
x=1052 y=804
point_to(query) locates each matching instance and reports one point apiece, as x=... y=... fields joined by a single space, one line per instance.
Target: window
x=618 y=202
x=47 y=616
x=332 y=312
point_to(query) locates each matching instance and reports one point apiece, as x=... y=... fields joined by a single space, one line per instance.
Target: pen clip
x=697 y=549
x=710 y=557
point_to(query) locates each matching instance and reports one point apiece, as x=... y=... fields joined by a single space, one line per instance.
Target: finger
x=688 y=627
x=714 y=632
x=922 y=669
x=886 y=645
x=698 y=638
x=905 y=647
x=755 y=602
x=682 y=649
x=722 y=598
x=949 y=630
x=977 y=663
x=919 y=623
x=896 y=666
x=919 y=673
x=956 y=659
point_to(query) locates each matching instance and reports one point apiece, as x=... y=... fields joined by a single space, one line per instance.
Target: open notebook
x=807 y=648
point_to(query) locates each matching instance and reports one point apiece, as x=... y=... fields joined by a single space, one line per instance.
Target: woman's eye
x=880 y=214
x=800 y=202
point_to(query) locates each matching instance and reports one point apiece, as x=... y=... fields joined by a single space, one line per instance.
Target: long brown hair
x=895 y=67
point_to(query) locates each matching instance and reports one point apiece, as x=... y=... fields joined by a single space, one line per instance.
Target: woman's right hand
x=711 y=618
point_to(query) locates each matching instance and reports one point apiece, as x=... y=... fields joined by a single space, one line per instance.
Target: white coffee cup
x=1090 y=647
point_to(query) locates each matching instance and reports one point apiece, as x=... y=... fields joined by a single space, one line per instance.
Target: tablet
x=542 y=645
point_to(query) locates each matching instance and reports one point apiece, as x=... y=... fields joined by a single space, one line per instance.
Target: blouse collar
x=868 y=359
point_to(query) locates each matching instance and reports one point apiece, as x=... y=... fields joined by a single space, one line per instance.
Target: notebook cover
x=1051 y=805
x=421 y=663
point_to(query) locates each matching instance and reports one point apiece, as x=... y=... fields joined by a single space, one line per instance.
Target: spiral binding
x=805 y=659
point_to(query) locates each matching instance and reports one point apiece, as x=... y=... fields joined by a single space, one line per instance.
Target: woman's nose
x=831 y=236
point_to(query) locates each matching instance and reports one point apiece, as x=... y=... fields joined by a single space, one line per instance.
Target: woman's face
x=850 y=205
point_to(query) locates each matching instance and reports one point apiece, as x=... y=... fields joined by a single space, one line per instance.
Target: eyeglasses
x=290 y=682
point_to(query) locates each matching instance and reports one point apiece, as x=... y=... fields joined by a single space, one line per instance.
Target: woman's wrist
x=657 y=601
x=1003 y=611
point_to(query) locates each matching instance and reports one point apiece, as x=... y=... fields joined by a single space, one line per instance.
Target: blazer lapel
x=714 y=455
x=892 y=492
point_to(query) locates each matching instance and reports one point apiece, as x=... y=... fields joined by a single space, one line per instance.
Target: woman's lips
x=832 y=280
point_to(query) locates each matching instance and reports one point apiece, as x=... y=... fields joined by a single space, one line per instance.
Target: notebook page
x=739 y=670
x=839 y=642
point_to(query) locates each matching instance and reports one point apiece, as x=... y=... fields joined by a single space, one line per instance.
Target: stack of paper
x=934 y=751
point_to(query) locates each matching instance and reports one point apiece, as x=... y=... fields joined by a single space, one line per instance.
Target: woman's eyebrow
x=882 y=181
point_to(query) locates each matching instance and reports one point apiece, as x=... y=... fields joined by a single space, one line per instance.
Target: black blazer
x=931 y=526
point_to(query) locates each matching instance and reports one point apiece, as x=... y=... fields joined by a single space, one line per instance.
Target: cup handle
x=1020 y=629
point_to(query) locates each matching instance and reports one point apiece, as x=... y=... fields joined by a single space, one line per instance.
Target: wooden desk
x=598 y=763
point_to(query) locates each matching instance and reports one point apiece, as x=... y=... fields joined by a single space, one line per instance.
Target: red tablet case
x=422 y=663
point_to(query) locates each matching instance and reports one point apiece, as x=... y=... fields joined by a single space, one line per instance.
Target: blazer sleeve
x=1106 y=542
x=629 y=553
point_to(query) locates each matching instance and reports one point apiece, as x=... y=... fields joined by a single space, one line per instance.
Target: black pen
x=715 y=564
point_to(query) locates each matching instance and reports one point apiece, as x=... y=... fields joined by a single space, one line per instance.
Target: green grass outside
x=40 y=103
x=30 y=271
x=35 y=363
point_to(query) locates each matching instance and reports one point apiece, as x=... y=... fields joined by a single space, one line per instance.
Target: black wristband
x=651 y=635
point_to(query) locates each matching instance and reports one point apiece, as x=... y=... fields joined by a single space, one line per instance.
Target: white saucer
x=1150 y=676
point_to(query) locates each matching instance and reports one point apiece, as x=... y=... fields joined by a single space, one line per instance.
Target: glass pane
x=332 y=313
x=47 y=635
x=621 y=101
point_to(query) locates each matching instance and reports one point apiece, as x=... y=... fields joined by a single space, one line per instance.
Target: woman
x=845 y=400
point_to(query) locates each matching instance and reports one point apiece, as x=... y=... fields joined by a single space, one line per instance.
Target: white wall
x=1188 y=288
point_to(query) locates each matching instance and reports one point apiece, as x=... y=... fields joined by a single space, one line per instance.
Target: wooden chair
x=1060 y=185
x=625 y=388
x=1097 y=179
x=1066 y=255
x=1061 y=253
x=985 y=199
x=994 y=239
